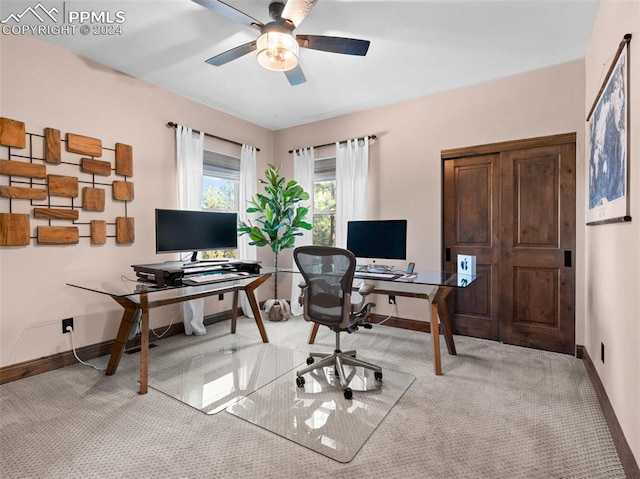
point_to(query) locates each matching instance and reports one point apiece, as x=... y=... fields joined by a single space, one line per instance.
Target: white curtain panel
x=248 y=187
x=352 y=168
x=303 y=168
x=189 y=151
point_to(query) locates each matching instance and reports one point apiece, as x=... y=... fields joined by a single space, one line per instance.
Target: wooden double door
x=512 y=205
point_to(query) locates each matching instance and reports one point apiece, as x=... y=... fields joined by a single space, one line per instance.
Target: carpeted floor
x=499 y=411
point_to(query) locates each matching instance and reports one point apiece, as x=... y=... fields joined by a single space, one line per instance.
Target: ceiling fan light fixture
x=277 y=51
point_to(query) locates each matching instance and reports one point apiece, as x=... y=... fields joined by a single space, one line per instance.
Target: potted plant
x=280 y=219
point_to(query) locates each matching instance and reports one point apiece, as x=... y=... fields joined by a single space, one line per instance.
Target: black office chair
x=326 y=299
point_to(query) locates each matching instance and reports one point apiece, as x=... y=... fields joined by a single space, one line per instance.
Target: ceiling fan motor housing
x=275 y=10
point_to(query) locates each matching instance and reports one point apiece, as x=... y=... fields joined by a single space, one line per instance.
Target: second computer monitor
x=377 y=239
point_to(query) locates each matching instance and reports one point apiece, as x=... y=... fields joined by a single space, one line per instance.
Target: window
x=324 y=202
x=220 y=190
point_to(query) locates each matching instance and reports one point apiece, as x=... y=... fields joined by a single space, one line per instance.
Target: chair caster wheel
x=348 y=393
x=310 y=360
x=300 y=381
x=377 y=375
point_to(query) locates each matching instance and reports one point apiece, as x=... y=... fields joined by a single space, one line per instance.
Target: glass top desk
x=433 y=286
x=140 y=297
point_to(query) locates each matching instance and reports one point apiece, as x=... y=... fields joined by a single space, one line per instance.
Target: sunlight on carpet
x=211 y=381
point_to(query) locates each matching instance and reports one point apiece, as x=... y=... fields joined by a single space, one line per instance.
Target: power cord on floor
x=393 y=310
x=165 y=331
x=70 y=329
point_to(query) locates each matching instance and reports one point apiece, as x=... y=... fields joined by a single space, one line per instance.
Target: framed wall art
x=608 y=147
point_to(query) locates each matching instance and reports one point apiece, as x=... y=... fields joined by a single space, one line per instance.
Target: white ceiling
x=418 y=47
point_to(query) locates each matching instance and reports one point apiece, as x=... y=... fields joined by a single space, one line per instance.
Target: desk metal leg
x=250 y=289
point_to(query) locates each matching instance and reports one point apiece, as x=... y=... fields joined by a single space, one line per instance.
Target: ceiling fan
x=277 y=46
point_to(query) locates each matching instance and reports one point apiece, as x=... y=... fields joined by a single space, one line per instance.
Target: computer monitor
x=181 y=230
x=378 y=239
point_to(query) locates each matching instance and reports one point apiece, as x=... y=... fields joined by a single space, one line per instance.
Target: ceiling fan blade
x=348 y=46
x=296 y=10
x=229 y=55
x=230 y=12
x=295 y=76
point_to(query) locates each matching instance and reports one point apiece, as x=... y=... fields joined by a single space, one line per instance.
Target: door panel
x=515 y=211
x=471 y=227
x=537 y=227
x=536 y=183
x=473 y=204
x=531 y=289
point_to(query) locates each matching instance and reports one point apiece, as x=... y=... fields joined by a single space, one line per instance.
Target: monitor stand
x=373 y=268
x=194 y=260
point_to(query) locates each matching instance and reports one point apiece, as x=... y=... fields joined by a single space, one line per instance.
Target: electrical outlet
x=602 y=352
x=392 y=299
x=65 y=323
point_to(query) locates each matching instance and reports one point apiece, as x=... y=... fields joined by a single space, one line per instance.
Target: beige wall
x=45 y=86
x=612 y=252
x=405 y=160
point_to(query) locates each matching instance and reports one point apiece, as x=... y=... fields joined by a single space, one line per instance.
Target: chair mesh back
x=328 y=273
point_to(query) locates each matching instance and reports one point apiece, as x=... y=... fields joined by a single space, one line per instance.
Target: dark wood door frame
x=508 y=146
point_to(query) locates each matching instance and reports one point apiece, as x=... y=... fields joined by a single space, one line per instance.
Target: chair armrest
x=366 y=288
x=303 y=288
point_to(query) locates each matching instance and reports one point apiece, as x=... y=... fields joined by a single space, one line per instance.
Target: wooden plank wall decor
x=124 y=159
x=95 y=167
x=20 y=192
x=123 y=190
x=98 y=232
x=14 y=229
x=92 y=199
x=22 y=168
x=84 y=145
x=32 y=195
x=12 y=133
x=52 y=146
x=56 y=213
x=125 y=231
x=58 y=234
x=62 y=185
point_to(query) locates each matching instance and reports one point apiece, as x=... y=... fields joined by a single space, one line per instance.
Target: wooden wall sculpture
x=64 y=205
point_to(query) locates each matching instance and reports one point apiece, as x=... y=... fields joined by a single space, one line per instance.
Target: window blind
x=324 y=169
x=220 y=166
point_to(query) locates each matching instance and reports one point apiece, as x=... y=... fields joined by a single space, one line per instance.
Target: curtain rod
x=174 y=125
x=371 y=137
